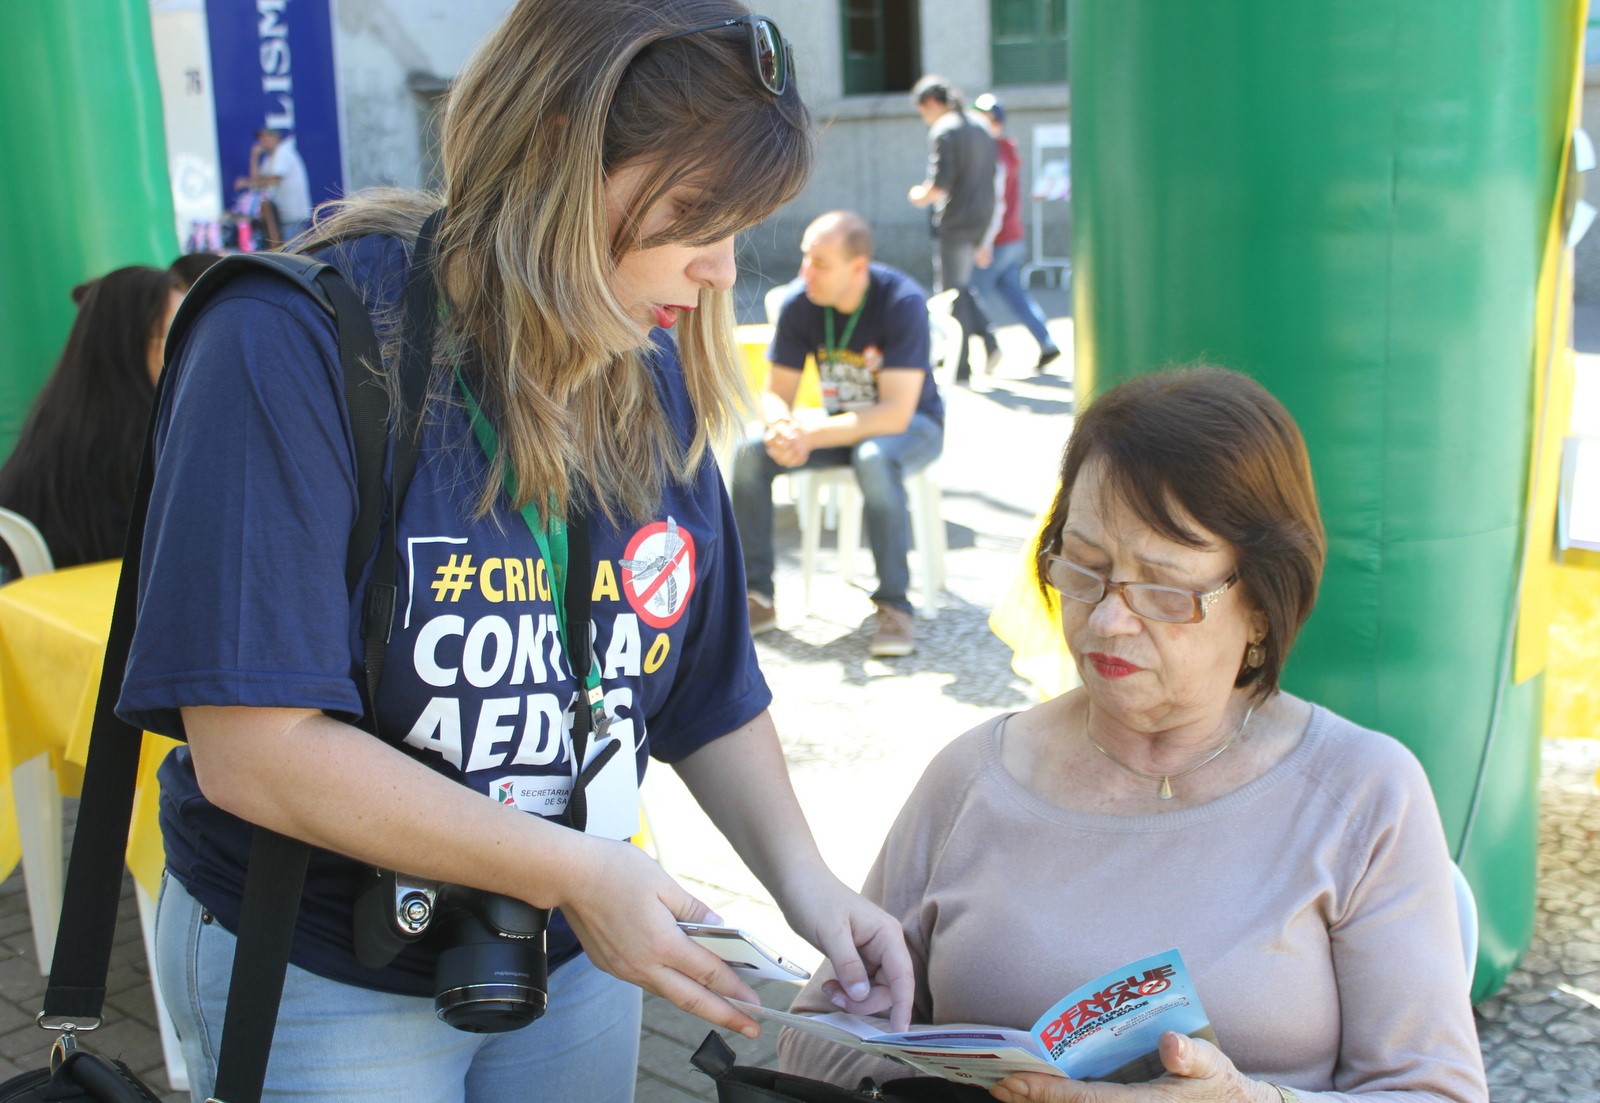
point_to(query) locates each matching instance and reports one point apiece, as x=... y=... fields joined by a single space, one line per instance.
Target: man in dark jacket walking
x=960 y=187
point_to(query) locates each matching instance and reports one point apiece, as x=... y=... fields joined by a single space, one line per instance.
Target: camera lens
x=492 y=972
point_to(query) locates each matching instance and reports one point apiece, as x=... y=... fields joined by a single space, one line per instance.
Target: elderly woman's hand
x=1197 y=1072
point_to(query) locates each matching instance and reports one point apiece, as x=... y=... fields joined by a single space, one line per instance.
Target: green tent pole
x=85 y=187
x=1350 y=202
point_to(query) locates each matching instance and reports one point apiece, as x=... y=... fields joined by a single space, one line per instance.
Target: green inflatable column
x=85 y=187
x=1350 y=202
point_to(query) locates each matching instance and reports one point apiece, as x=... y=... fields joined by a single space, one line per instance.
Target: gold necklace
x=1165 y=792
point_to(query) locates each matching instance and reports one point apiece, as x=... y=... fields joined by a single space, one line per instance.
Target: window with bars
x=1028 y=41
x=880 y=40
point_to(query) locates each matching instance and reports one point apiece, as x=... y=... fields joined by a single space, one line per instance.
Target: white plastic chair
x=1467 y=914
x=924 y=498
x=26 y=543
x=773 y=302
x=33 y=783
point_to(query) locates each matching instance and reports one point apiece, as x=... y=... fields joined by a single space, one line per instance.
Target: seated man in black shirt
x=867 y=326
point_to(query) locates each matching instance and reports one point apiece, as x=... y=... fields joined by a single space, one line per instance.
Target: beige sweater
x=1313 y=906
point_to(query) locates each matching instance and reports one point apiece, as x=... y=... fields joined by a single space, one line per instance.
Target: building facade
x=855 y=60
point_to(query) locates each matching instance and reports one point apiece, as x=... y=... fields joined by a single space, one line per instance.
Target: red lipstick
x=1109 y=666
x=666 y=316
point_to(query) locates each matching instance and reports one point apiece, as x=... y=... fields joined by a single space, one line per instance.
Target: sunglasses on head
x=769 y=53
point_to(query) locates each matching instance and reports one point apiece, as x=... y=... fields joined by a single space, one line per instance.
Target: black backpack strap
x=276 y=873
x=77 y=989
x=273 y=883
x=414 y=364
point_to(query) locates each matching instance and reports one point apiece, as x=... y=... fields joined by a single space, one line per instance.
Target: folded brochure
x=1108 y=1029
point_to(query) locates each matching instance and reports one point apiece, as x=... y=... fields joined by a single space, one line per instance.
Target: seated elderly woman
x=1179 y=797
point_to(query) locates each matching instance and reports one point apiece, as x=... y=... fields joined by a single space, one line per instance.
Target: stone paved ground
x=1541 y=1032
x=857 y=733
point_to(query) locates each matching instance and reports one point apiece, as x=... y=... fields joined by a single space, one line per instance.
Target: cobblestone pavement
x=857 y=733
x=1541 y=1032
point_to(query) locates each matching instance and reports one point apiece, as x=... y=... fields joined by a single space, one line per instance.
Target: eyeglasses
x=769 y=52
x=1164 y=603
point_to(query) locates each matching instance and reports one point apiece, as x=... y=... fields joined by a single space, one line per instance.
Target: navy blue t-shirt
x=892 y=332
x=243 y=601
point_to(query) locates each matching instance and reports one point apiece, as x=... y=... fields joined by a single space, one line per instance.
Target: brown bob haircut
x=1212 y=444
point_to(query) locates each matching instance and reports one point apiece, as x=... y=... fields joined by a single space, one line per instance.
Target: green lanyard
x=849 y=326
x=552 y=541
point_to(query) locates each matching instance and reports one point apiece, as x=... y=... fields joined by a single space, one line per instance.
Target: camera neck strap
x=564 y=544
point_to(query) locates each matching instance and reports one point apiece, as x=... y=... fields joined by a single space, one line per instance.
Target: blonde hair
x=563 y=95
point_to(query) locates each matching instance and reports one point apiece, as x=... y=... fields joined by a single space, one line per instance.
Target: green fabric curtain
x=85 y=186
x=1349 y=202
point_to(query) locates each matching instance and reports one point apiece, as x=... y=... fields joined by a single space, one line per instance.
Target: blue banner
x=272 y=67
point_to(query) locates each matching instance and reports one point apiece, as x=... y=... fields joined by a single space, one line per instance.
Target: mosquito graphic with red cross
x=658 y=572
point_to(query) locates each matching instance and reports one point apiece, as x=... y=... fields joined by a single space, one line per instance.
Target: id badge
x=829 y=381
x=613 y=794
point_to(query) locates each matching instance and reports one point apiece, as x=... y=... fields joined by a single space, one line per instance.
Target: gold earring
x=1254 y=655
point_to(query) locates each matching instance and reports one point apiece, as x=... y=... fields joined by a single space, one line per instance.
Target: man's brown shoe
x=763 y=614
x=894 y=634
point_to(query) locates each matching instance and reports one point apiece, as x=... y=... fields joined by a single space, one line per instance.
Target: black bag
x=75 y=1074
x=744 y=1084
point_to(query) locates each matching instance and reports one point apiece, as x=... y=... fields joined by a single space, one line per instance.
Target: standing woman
x=76 y=461
x=599 y=156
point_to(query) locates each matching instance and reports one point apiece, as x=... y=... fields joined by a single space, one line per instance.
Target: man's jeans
x=1002 y=280
x=881 y=465
x=956 y=263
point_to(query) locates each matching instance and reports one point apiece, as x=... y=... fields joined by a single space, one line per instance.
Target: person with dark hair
x=599 y=157
x=960 y=187
x=998 y=275
x=1180 y=797
x=866 y=326
x=189 y=267
x=73 y=470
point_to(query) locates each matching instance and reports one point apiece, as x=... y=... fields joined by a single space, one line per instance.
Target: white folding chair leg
x=808 y=498
x=39 y=826
x=177 y=1072
x=1467 y=913
x=722 y=453
x=927 y=523
x=844 y=502
x=847 y=498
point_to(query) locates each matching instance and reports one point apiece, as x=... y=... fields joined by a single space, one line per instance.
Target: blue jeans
x=338 y=1042
x=1002 y=281
x=955 y=265
x=881 y=465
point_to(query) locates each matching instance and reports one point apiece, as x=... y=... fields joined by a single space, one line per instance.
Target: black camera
x=493 y=968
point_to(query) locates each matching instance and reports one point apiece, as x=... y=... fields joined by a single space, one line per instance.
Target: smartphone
x=751 y=958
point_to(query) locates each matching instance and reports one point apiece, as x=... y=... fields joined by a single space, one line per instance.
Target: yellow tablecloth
x=53 y=631
x=754 y=340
